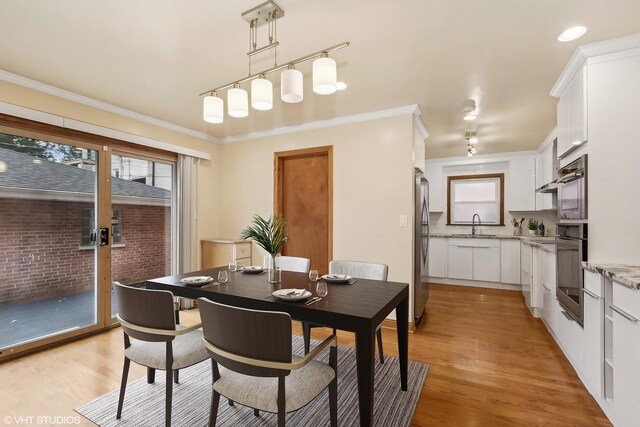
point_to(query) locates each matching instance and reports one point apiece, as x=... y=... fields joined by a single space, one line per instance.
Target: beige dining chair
x=292 y=263
x=252 y=362
x=147 y=316
x=355 y=269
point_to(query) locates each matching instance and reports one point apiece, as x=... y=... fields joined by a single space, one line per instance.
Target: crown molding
x=482 y=158
x=100 y=105
x=419 y=124
x=65 y=122
x=582 y=53
x=337 y=121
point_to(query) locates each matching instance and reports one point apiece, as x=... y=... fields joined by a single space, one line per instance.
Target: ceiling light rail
x=305 y=58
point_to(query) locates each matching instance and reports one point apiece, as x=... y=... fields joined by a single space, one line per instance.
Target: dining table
x=358 y=306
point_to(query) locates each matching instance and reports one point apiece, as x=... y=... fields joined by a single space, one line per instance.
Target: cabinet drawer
x=626 y=299
x=243 y=262
x=242 y=250
x=593 y=282
x=474 y=242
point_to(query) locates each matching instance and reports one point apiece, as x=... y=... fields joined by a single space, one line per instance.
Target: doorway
x=303 y=195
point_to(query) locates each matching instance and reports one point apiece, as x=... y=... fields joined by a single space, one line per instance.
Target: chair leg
x=175 y=376
x=151 y=375
x=333 y=389
x=230 y=402
x=379 y=334
x=282 y=402
x=169 y=381
x=256 y=412
x=213 y=414
x=123 y=386
x=306 y=334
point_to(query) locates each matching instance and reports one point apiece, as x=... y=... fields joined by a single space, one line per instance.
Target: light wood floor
x=492 y=364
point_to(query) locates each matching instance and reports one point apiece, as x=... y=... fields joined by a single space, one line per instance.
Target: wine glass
x=233 y=266
x=313 y=275
x=223 y=276
x=321 y=289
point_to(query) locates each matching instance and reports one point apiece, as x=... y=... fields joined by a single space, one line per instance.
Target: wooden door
x=304 y=197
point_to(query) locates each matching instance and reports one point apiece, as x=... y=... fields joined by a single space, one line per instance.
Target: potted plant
x=532 y=226
x=271 y=236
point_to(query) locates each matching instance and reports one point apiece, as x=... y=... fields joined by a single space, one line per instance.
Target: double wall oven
x=572 y=236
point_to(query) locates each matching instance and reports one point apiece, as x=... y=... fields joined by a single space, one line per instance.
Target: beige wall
x=614 y=151
x=372 y=187
x=205 y=171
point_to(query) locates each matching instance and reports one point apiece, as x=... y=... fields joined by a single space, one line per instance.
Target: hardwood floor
x=492 y=364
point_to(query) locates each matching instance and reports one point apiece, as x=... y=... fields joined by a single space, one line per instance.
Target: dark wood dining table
x=358 y=307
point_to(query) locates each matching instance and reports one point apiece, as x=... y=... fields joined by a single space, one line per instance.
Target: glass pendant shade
x=325 y=76
x=291 y=86
x=237 y=102
x=261 y=94
x=213 y=109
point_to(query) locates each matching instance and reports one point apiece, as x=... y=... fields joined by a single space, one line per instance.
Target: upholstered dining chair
x=252 y=362
x=292 y=263
x=147 y=316
x=355 y=269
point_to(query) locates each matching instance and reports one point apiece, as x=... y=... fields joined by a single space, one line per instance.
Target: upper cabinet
x=522 y=184
x=572 y=113
x=434 y=172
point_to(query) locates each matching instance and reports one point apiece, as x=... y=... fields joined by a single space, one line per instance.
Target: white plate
x=338 y=278
x=197 y=280
x=291 y=294
x=252 y=269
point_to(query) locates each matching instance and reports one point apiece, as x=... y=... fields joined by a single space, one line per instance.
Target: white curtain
x=185 y=217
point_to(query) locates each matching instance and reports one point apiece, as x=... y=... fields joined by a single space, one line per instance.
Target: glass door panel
x=47 y=239
x=142 y=191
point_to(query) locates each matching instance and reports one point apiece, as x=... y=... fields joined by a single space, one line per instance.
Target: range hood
x=551 y=187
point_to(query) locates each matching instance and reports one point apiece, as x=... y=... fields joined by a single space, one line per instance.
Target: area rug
x=144 y=403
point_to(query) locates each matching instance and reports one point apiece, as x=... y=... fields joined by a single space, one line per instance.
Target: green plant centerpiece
x=270 y=235
x=532 y=225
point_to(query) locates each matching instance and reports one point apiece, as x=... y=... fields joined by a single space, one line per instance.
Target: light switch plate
x=403 y=220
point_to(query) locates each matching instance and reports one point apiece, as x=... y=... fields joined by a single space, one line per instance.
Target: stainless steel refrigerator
x=421 y=246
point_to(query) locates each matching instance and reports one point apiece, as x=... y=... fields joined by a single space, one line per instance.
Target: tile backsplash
x=439 y=223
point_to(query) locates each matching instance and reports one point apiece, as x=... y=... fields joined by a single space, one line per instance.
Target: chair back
x=262 y=335
x=292 y=263
x=147 y=308
x=360 y=270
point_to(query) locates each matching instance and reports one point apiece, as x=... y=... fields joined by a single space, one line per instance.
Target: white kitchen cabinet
x=572 y=112
x=438 y=257
x=536 y=280
x=626 y=355
x=545 y=166
x=510 y=261
x=460 y=261
x=550 y=307
x=525 y=271
x=434 y=173
x=593 y=342
x=570 y=337
x=522 y=184
x=486 y=263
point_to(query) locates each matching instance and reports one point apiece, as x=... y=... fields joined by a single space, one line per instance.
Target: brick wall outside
x=40 y=255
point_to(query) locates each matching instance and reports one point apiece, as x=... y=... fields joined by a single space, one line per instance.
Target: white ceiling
x=155 y=56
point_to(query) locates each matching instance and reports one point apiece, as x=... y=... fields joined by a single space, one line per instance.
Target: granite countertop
x=224 y=240
x=547 y=244
x=627 y=275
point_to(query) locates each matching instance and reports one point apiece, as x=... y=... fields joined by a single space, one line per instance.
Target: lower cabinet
x=438 y=257
x=510 y=261
x=526 y=252
x=626 y=355
x=593 y=340
x=550 y=307
x=474 y=259
x=570 y=336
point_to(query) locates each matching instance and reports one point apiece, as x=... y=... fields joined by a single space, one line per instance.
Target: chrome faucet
x=473 y=224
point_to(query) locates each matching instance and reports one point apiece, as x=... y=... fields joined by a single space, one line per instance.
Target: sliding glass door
x=48 y=257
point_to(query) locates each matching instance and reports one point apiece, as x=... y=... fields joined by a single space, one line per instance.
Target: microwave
x=572 y=191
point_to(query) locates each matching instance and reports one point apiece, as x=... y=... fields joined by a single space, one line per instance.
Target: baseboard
x=475 y=284
x=392 y=324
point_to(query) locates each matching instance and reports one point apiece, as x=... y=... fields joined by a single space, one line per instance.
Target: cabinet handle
x=623 y=313
x=568 y=316
x=546 y=287
x=591 y=294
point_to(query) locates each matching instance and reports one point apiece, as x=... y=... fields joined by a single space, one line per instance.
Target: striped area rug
x=144 y=403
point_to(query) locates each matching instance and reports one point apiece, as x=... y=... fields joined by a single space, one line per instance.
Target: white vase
x=532 y=232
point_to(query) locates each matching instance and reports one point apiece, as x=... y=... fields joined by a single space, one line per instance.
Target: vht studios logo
x=45 y=420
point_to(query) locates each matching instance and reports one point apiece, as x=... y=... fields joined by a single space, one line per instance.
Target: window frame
x=450 y=180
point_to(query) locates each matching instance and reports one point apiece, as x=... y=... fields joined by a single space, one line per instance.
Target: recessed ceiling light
x=572 y=33
x=341 y=85
x=470 y=116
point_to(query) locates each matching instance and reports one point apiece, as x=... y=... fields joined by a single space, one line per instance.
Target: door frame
x=278 y=160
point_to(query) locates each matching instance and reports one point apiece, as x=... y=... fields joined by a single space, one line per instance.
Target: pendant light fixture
x=470 y=110
x=291 y=85
x=261 y=93
x=292 y=81
x=325 y=75
x=237 y=102
x=213 y=109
